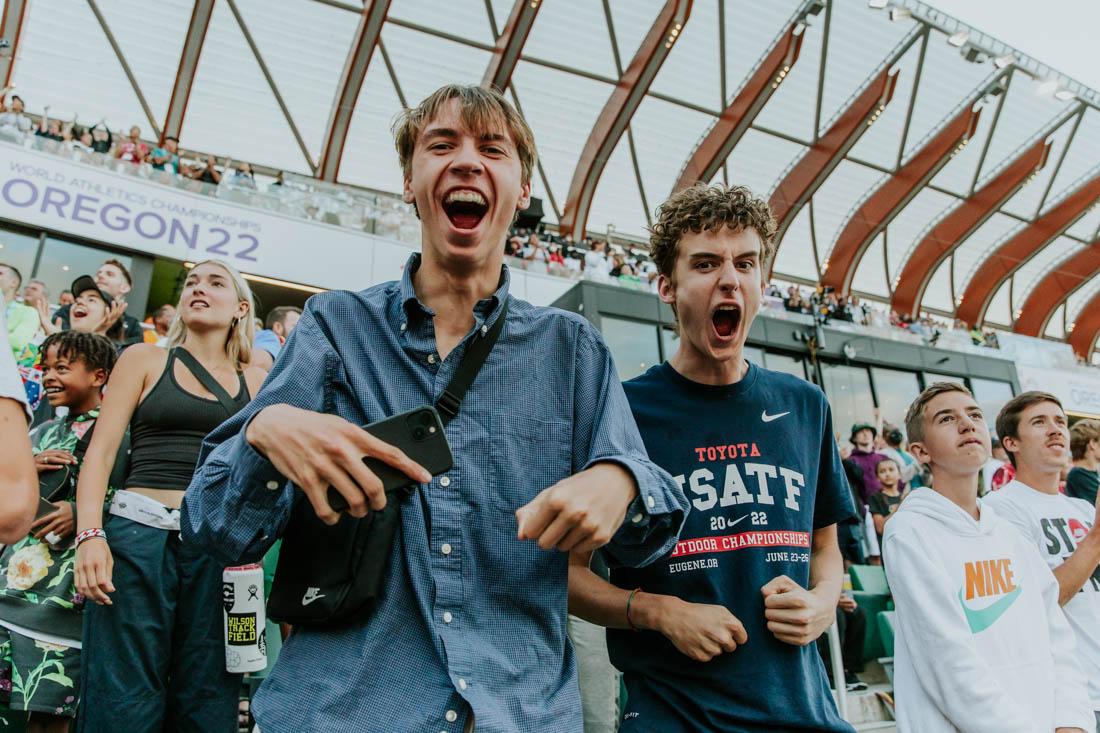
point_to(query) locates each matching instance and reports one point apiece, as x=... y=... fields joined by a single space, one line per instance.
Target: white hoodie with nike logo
x=981 y=643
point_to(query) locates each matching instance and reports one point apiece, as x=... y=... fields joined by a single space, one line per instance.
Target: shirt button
x=445 y=482
x=484 y=330
x=447 y=617
x=451 y=716
x=431 y=358
x=272 y=485
x=637 y=518
x=404 y=326
x=445 y=549
x=462 y=684
x=649 y=500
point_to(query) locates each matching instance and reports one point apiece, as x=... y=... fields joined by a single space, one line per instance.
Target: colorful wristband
x=629 y=602
x=88 y=534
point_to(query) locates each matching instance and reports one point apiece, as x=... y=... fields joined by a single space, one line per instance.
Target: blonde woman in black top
x=153 y=655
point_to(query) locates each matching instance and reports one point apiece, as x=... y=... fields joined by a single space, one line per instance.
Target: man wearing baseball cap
x=866 y=457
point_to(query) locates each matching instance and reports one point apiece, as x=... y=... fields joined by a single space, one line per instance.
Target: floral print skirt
x=36 y=676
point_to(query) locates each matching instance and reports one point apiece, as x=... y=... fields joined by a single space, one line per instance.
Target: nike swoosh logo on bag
x=768 y=418
x=311 y=596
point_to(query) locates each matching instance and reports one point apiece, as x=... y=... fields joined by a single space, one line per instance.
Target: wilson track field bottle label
x=243 y=601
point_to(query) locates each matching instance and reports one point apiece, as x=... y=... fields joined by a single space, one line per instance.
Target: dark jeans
x=853 y=628
x=155 y=660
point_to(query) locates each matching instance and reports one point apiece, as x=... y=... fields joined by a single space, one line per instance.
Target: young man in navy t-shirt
x=717 y=636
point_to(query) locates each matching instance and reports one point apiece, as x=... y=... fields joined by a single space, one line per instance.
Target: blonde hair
x=238 y=342
x=480 y=110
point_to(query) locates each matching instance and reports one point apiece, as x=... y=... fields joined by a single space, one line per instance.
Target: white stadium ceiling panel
x=320 y=36
x=795 y=257
x=1027 y=276
x=231 y=111
x=1000 y=308
x=1080 y=299
x=664 y=136
x=910 y=225
x=938 y=293
x=758 y=159
x=871 y=273
x=958 y=175
x=692 y=70
x=790 y=111
x=617 y=201
x=1055 y=326
x=751 y=29
x=879 y=143
x=859 y=41
x=1026 y=113
x=979 y=245
x=370 y=159
x=561 y=109
x=836 y=199
x=585 y=46
x=1026 y=201
x=632 y=20
x=151 y=43
x=65 y=62
x=423 y=63
x=946 y=82
x=464 y=18
x=1083 y=155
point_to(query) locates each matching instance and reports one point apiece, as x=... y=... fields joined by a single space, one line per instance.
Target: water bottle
x=245 y=622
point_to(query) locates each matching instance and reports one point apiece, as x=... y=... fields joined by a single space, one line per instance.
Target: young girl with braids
x=154 y=657
x=40 y=610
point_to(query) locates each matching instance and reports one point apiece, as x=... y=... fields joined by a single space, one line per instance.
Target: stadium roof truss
x=848 y=116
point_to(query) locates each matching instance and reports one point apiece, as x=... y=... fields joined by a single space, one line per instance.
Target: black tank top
x=167 y=430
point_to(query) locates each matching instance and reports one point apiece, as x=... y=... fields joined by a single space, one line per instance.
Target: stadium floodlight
x=1064 y=95
x=959 y=39
x=1048 y=86
x=1002 y=61
x=877 y=4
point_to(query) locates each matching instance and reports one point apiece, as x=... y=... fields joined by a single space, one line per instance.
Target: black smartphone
x=419 y=433
x=44 y=507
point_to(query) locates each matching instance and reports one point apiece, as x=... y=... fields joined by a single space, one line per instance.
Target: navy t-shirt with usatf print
x=759 y=463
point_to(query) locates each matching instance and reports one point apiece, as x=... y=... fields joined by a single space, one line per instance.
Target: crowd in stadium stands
x=195 y=363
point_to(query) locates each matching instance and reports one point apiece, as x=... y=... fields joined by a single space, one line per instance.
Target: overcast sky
x=1060 y=33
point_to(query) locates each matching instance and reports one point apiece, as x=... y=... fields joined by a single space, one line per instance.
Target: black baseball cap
x=87 y=282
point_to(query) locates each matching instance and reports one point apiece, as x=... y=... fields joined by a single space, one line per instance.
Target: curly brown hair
x=704 y=208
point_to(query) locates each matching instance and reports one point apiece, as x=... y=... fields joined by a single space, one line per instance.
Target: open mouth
x=465 y=208
x=79 y=311
x=726 y=319
x=199 y=303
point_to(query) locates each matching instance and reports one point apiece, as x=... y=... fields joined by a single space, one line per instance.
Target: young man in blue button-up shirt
x=547 y=460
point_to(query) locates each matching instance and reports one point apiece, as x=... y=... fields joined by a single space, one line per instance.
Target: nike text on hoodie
x=981 y=644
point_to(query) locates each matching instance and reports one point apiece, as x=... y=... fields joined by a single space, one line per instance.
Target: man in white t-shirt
x=1035 y=432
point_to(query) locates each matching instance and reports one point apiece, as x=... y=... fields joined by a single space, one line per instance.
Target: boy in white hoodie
x=1066 y=532
x=981 y=642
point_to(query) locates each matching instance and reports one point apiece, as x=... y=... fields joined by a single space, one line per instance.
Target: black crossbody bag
x=330 y=576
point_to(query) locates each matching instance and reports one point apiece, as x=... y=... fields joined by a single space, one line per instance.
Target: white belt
x=143 y=510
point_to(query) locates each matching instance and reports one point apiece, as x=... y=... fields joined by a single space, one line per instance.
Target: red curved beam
x=1015 y=251
x=736 y=119
x=617 y=112
x=11 y=26
x=1055 y=287
x=959 y=223
x=891 y=197
x=822 y=158
x=1086 y=328
x=509 y=46
x=363 y=44
x=189 y=64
